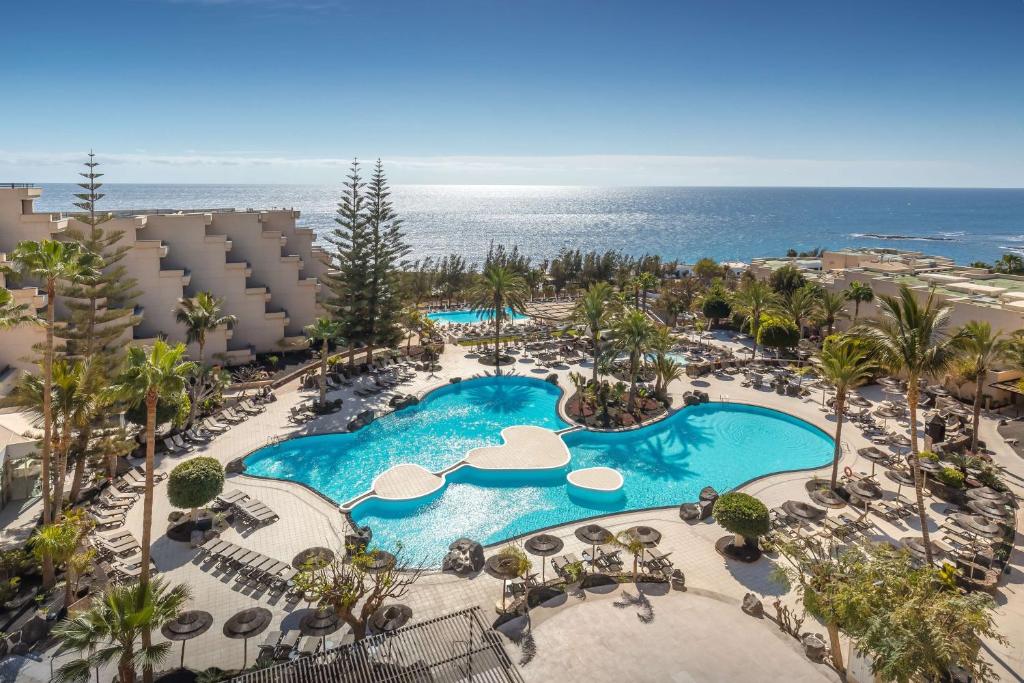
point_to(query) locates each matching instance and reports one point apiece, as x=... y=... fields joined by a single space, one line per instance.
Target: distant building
x=263 y=266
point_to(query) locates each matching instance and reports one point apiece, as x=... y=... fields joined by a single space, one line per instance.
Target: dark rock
x=678 y=580
x=236 y=466
x=691 y=399
x=689 y=512
x=706 y=508
x=455 y=380
x=358 y=539
x=464 y=557
x=552 y=379
x=709 y=494
x=752 y=605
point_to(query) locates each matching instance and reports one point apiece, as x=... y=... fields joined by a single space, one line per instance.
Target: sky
x=594 y=92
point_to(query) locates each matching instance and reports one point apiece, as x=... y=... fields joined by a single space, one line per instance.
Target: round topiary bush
x=195 y=482
x=715 y=308
x=777 y=333
x=741 y=514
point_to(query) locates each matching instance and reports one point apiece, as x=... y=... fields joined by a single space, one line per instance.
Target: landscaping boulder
x=453 y=380
x=708 y=494
x=690 y=399
x=360 y=538
x=552 y=379
x=702 y=396
x=399 y=402
x=362 y=419
x=752 y=605
x=706 y=508
x=464 y=557
x=236 y=466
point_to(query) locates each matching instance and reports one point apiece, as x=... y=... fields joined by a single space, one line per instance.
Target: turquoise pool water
x=667 y=463
x=446 y=317
x=717 y=444
x=435 y=434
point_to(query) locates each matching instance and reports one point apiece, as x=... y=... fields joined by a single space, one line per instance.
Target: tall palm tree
x=108 y=632
x=800 y=305
x=911 y=339
x=57 y=542
x=645 y=282
x=830 y=309
x=147 y=379
x=980 y=349
x=499 y=294
x=323 y=330
x=845 y=366
x=412 y=320
x=859 y=293
x=51 y=262
x=201 y=315
x=632 y=334
x=753 y=299
x=595 y=310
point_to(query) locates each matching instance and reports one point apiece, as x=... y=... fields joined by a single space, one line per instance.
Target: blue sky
x=723 y=92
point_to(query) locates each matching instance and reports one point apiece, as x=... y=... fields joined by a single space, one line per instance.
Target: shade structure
x=246 y=624
x=989 y=508
x=987 y=493
x=936 y=390
x=313 y=558
x=864 y=490
x=978 y=524
x=804 y=511
x=915 y=545
x=648 y=536
x=595 y=535
x=901 y=477
x=858 y=400
x=380 y=561
x=390 y=618
x=543 y=545
x=886 y=413
x=186 y=626
x=928 y=465
x=874 y=455
x=320 y=623
x=504 y=567
x=957 y=409
x=890 y=381
x=899 y=441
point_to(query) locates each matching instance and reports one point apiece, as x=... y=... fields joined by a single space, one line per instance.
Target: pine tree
x=387 y=248
x=348 y=281
x=100 y=308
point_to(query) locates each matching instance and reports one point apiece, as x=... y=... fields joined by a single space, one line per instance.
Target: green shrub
x=776 y=333
x=928 y=455
x=951 y=476
x=741 y=514
x=715 y=308
x=195 y=482
x=990 y=478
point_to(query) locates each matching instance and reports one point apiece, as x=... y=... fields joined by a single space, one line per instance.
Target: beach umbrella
x=874 y=455
x=890 y=382
x=804 y=511
x=321 y=623
x=593 y=535
x=186 y=626
x=313 y=558
x=864 y=490
x=648 y=536
x=390 y=618
x=986 y=493
x=928 y=466
x=246 y=624
x=543 y=545
x=936 y=390
x=858 y=400
x=978 y=524
x=901 y=477
x=899 y=441
x=989 y=509
x=380 y=561
x=504 y=567
x=915 y=545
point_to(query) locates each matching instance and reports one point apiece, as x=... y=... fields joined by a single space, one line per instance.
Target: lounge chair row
x=209 y=427
x=135 y=479
x=255 y=513
x=292 y=643
x=254 y=566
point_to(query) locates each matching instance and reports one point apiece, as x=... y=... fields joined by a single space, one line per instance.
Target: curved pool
x=468 y=316
x=717 y=444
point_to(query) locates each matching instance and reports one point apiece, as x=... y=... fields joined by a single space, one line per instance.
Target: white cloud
x=596 y=169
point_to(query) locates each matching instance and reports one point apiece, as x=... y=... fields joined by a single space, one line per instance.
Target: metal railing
x=18 y=186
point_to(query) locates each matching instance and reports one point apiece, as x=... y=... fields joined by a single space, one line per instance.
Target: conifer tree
x=100 y=308
x=387 y=248
x=348 y=283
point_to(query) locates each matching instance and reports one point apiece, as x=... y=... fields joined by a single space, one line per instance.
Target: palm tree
x=859 y=293
x=201 y=315
x=12 y=314
x=412 y=320
x=910 y=338
x=323 y=330
x=632 y=334
x=57 y=542
x=666 y=371
x=800 y=305
x=594 y=310
x=753 y=300
x=633 y=546
x=980 y=349
x=499 y=293
x=845 y=366
x=160 y=375
x=830 y=309
x=107 y=633
x=646 y=281
x=52 y=262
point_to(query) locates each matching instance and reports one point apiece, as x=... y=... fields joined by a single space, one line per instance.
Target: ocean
x=684 y=223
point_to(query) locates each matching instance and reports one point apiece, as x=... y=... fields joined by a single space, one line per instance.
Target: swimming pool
x=448 y=317
x=436 y=434
x=717 y=444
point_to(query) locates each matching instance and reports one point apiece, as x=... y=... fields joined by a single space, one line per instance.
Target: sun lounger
x=171 y=446
x=659 y=560
x=198 y=435
x=256 y=512
x=228 y=416
x=269 y=644
x=287 y=644
x=308 y=646
x=229 y=498
x=214 y=426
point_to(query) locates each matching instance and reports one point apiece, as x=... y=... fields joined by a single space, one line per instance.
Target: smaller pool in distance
x=449 y=317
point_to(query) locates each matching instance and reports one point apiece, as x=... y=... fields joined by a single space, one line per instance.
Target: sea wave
x=941 y=237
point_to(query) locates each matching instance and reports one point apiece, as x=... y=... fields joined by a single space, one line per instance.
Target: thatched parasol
x=874 y=455
x=802 y=510
x=915 y=545
x=986 y=493
x=989 y=508
x=648 y=536
x=977 y=524
x=543 y=545
x=593 y=535
x=864 y=490
x=186 y=626
x=390 y=618
x=313 y=558
x=246 y=624
x=858 y=400
x=504 y=567
x=901 y=477
x=380 y=561
x=321 y=623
